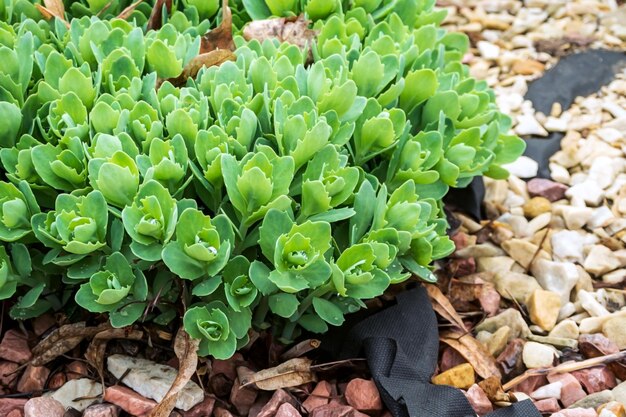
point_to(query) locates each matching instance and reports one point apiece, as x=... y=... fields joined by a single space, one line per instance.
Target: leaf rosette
x=17 y=206
x=201 y=246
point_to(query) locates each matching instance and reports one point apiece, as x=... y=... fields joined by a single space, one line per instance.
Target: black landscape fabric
x=401 y=344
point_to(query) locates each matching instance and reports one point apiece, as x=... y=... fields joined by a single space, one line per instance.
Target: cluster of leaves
x=273 y=190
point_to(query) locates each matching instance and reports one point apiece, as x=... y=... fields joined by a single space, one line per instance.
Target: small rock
x=43 y=323
x=612 y=409
x=571 y=390
x=594 y=345
x=334 y=409
x=510 y=360
x=509 y=317
x=43 y=407
x=601 y=260
x=222 y=412
x=567 y=329
x=558 y=277
x=488 y=50
x=287 y=410
x=516 y=286
x=591 y=304
x=619 y=393
x=576 y=217
x=15 y=413
x=479 y=400
x=576 y=412
x=103 y=410
x=14 y=347
x=524 y=167
x=33 y=379
x=242 y=397
x=523 y=252
x=153 y=380
x=595 y=379
x=595 y=400
x=558 y=342
x=567 y=246
x=547 y=405
x=551 y=190
x=279 y=398
x=128 y=400
x=615 y=330
x=461 y=376
x=204 y=409
x=8 y=374
x=489 y=300
x=536 y=206
x=552 y=390
x=363 y=395
x=543 y=307
x=319 y=396
x=498 y=341
x=527 y=67
x=527 y=124
x=56 y=381
x=537 y=355
x=76 y=370
x=8 y=405
x=78 y=388
x=530 y=384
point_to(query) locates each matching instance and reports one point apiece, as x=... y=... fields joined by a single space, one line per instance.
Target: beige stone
x=565 y=329
x=461 y=376
x=615 y=330
x=524 y=252
x=536 y=206
x=498 y=341
x=543 y=307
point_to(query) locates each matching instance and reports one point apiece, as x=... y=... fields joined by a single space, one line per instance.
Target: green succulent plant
x=277 y=190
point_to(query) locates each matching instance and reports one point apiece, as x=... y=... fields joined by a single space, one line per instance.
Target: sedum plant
x=277 y=190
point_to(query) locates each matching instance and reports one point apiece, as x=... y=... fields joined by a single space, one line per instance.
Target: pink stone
x=489 y=299
x=334 y=409
x=463 y=266
x=576 y=412
x=76 y=370
x=43 y=407
x=101 y=410
x=460 y=240
x=363 y=395
x=287 y=410
x=594 y=345
x=43 y=323
x=319 y=396
x=8 y=405
x=551 y=190
x=128 y=400
x=531 y=384
x=571 y=390
x=595 y=379
x=227 y=367
x=8 y=376
x=547 y=406
x=16 y=413
x=450 y=358
x=14 y=347
x=242 y=397
x=33 y=379
x=204 y=409
x=279 y=398
x=479 y=400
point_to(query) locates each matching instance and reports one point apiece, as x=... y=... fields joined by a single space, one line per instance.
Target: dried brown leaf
x=56 y=7
x=493 y=388
x=156 y=17
x=97 y=347
x=125 y=14
x=186 y=349
x=474 y=352
x=222 y=36
x=294 y=30
x=442 y=305
x=209 y=59
x=62 y=340
x=52 y=9
x=292 y=373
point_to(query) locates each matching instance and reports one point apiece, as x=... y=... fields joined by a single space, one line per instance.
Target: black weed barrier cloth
x=401 y=344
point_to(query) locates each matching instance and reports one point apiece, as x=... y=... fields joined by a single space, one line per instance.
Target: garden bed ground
x=538 y=285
